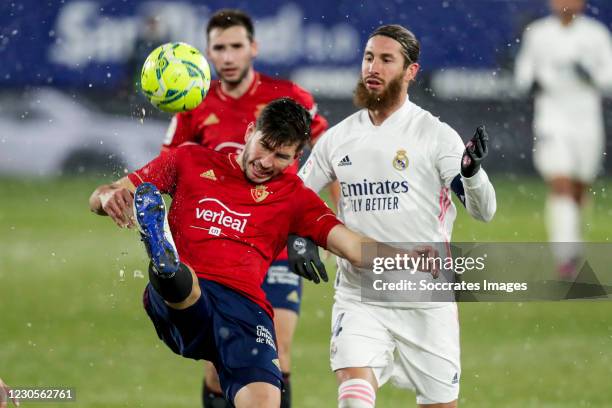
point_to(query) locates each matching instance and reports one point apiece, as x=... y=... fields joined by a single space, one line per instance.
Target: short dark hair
x=226 y=18
x=284 y=122
x=410 y=45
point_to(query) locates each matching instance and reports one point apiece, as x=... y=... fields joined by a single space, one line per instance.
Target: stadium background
x=70 y=283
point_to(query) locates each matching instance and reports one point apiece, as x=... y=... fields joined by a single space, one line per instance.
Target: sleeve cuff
x=476 y=180
x=329 y=225
x=135 y=179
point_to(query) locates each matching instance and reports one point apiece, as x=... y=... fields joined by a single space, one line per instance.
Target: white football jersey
x=550 y=54
x=395 y=180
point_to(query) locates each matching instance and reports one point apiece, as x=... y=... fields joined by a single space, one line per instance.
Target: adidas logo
x=293 y=297
x=455 y=379
x=345 y=161
x=209 y=174
x=212 y=119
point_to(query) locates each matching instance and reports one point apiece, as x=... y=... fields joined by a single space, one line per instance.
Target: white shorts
x=576 y=156
x=414 y=348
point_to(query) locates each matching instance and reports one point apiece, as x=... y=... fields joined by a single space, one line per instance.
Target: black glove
x=475 y=152
x=304 y=259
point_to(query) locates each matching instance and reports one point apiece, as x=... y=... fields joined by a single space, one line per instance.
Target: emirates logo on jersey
x=215 y=212
x=259 y=193
x=378 y=195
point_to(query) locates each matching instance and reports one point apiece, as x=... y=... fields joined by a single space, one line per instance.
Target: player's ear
x=254 y=49
x=411 y=72
x=250 y=131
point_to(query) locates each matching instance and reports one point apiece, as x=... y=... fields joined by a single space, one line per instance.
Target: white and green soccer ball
x=175 y=77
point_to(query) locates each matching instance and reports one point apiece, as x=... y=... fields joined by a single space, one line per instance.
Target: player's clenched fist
x=475 y=152
x=116 y=202
x=428 y=256
x=303 y=257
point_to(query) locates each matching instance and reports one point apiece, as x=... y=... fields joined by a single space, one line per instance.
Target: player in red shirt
x=240 y=93
x=219 y=122
x=230 y=217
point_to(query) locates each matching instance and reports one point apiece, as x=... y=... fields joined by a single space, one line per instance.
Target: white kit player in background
x=396 y=164
x=566 y=61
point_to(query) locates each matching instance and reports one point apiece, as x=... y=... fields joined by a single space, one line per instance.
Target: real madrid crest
x=400 y=161
x=259 y=193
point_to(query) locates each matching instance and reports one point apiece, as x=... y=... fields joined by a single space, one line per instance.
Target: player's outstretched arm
x=115 y=200
x=348 y=244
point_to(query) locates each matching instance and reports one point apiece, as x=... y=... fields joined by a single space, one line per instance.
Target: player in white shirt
x=396 y=164
x=566 y=59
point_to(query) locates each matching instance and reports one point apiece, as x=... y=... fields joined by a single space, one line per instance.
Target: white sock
x=356 y=393
x=564 y=225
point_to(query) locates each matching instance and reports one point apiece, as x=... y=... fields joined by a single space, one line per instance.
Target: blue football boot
x=150 y=214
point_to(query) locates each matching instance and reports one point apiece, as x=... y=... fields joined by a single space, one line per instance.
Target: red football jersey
x=220 y=121
x=226 y=228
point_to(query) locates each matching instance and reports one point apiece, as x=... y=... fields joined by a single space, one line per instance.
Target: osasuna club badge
x=259 y=193
x=400 y=161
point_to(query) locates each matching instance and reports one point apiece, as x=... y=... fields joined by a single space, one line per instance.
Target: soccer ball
x=175 y=77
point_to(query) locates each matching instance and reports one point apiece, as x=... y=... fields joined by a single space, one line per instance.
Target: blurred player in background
x=415 y=160
x=566 y=60
x=220 y=122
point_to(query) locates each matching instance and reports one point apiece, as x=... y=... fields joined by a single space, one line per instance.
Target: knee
x=562 y=186
x=258 y=395
x=452 y=404
x=353 y=373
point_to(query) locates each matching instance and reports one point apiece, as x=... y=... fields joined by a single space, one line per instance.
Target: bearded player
x=415 y=160
x=234 y=101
